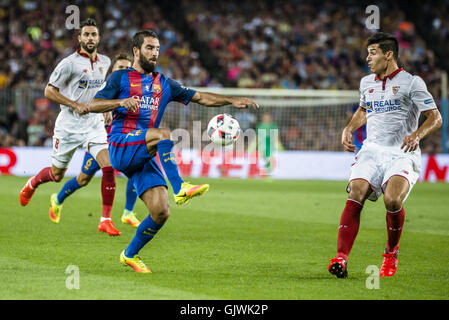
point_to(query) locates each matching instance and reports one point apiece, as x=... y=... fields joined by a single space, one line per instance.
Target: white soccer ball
x=223 y=129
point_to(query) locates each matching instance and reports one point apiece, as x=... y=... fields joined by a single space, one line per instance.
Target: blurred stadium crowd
x=256 y=44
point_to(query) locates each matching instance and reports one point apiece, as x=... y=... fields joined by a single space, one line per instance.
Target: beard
x=147 y=65
x=91 y=49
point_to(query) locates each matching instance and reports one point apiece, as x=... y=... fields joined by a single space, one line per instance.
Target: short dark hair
x=387 y=42
x=141 y=35
x=89 y=22
x=122 y=56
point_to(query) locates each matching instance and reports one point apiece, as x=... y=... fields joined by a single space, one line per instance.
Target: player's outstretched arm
x=357 y=120
x=217 y=100
x=433 y=122
x=52 y=93
x=104 y=105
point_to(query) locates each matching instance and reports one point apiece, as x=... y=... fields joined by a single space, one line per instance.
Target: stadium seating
x=263 y=44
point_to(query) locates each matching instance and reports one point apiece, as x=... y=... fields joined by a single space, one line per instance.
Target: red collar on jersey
x=82 y=54
x=390 y=76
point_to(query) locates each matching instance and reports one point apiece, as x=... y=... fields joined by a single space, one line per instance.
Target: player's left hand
x=244 y=103
x=411 y=142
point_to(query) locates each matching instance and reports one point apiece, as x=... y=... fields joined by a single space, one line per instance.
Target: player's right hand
x=346 y=140
x=244 y=103
x=132 y=103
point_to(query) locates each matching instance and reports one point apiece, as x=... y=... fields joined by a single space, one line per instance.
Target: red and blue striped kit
x=154 y=91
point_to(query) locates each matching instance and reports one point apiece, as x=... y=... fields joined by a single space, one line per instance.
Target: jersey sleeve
x=62 y=74
x=111 y=88
x=180 y=93
x=420 y=96
x=362 y=102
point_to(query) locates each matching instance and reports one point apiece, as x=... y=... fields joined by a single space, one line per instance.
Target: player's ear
x=390 y=55
x=136 y=52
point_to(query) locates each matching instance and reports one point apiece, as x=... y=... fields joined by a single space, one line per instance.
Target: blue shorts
x=90 y=166
x=129 y=154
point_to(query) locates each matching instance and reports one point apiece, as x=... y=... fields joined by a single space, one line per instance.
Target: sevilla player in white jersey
x=391 y=101
x=73 y=84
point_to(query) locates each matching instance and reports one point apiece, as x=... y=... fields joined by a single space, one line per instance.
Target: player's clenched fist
x=411 y=142
x=346 y=140
x=244 y=103
x=131 y=103
x=81 y=108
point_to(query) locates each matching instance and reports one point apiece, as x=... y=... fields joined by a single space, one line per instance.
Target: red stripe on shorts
x=121 y=145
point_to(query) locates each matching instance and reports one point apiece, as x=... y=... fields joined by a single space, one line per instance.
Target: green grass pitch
x=244 y=239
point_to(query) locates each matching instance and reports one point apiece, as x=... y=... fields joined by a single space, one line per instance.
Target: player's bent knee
x=161 y=216
x=164 y=134
x=359 y=190
x=392 y=203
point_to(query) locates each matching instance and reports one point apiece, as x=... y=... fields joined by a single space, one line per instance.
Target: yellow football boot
x=188 y=191
x=136 y=263
x=129 y=217
x=55 y=208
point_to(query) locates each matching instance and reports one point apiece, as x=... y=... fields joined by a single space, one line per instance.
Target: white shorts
x=377 y=164
x=65 y=145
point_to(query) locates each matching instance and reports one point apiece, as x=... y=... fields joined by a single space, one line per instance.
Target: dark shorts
x=128 y=154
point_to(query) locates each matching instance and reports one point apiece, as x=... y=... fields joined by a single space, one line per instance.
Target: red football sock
x=395 y=222
x=43 y=176
x=107 y=190
x=349 y=227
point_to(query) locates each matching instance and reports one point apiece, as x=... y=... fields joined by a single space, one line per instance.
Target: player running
x=90 y=167
x=389 y=162
x=138 y=97
x=73 y=84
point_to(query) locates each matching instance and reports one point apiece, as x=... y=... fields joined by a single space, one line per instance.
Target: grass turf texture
x=245 y=239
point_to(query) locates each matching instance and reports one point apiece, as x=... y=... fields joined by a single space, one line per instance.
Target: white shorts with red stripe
x=65 y=144
x=377 y=164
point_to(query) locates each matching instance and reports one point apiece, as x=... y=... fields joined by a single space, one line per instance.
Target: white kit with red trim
x=393 y=106
x=79 y=78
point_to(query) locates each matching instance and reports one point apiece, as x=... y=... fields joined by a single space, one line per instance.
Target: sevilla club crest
x=396 y=89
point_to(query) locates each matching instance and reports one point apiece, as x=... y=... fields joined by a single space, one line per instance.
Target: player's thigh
x=64 y=146
x=156 y=200
x=365 y=180
x=399 y=180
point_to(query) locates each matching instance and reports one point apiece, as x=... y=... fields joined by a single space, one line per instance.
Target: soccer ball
x=223 y=129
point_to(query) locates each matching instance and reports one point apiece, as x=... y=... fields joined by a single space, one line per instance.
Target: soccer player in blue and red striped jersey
x=138 y=97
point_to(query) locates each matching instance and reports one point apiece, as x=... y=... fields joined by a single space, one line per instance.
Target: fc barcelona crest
x=157 y=88
x=396 y=89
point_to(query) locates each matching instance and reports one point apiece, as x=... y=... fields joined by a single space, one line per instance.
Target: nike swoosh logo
x=134 y=85
x=182 y=195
